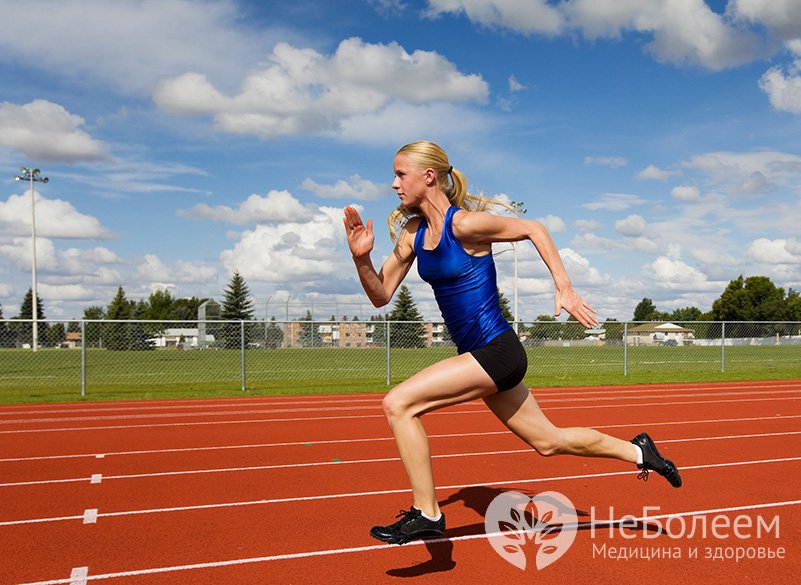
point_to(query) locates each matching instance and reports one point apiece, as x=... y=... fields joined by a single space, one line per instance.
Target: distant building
x=659 y=334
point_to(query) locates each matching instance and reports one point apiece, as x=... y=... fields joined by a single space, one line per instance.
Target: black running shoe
x=411 y=526
x=653 y=461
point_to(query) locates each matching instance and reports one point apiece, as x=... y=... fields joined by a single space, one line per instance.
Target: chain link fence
x=149 y=359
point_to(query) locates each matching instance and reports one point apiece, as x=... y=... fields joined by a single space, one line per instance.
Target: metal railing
x=144 y=358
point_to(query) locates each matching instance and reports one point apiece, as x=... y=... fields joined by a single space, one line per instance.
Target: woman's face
x=410 y=181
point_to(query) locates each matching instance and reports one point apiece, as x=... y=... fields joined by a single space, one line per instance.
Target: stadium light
x=32 y=176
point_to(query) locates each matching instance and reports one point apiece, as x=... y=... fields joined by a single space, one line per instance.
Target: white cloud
x=655 y=173
x=588 y=225
x=681 y=31
x=355 y=188
x=132 y=44
x=303 y=91
x=515 y=85
x=615 y=202
x=686 y=193
x=784 y=90
x=151 y=269
x=525 y=16
x=51 y=261
x=292 y=252
x=779 y=251
x=606 y=161
x=749 y=173
x=276 y=206
x=47 y=132
x=552 y=223
x=676 y=275
x=54 y=218
x=782 y=17
x=632 y=226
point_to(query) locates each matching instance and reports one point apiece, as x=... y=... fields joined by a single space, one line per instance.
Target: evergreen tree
x=24 y=331
x=56 y=334
x=6 y=335
x=117 y=335
x=237 y=303
x=505 y=309
x=141 y=334
x=94 y=331
x=379 y=325
x=159 y=305
x=409 y=331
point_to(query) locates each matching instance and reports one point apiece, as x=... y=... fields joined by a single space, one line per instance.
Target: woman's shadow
x=478 y=499
x=441 y=549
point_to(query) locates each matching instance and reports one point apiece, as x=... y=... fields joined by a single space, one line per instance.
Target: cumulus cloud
x=782 y=17
x=525 y=16
x=783 y=85
x=552 y=223
x=779 y=251
x=588 y=225
x=50 y=260
x=681 y=31
x=276 y=206
x=354 y=188
x=750 y=173
x=47 y=132
x=135 y=43
x=655 y=173
x=632 y=226
x=615 y=202
x=686 y=193
x=54 y=219
x=292 y=251
x=303 y=91
x=152 y=269
x=674 y=274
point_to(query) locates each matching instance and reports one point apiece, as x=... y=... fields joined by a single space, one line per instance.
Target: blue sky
x=657 y=139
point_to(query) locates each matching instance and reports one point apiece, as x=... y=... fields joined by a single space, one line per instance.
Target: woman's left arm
x=485 y=228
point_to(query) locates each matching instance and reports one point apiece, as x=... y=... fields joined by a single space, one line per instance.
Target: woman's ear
x=431 y=176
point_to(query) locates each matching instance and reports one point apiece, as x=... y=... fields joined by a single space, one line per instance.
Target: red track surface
x=284 y=490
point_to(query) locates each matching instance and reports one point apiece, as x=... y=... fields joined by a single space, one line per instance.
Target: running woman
x=451 y=236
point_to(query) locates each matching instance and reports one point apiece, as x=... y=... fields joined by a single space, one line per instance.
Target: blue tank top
x=465 y=287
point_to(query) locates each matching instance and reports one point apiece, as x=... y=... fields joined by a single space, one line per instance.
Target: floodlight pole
x=32 y=175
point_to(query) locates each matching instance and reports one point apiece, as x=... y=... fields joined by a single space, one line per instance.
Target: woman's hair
x=427 y=155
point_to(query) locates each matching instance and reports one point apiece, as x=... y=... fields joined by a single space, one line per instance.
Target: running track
x=284 y=489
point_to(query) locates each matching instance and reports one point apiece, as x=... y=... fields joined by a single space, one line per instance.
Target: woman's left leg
x=451 y=381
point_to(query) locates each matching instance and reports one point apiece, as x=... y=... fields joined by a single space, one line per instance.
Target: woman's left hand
x=569 y=300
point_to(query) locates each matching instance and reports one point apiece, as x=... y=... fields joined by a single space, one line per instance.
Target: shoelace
x=643 y=475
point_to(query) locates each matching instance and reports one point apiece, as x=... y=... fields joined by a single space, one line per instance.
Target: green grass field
x=54 y=375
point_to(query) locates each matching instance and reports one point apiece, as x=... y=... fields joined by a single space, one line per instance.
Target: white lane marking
x=97 y=478
x=78 y=576
x=90 y=516
x=372 y=407
x=352 y=550
x=371 y=439
x=387 y=492
x=366 y=416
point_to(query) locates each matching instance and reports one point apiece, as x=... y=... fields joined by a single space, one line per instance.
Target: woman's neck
x=433 y=208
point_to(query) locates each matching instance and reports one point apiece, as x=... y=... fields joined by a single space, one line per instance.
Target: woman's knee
x=394 y=405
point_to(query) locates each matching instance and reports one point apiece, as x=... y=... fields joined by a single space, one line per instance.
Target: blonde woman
x=445 y=229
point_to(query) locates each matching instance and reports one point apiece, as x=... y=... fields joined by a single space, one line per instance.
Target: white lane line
x=90 y=516
x=559 y=400
x=372 y=439
x=377 y=547
x=98 y=478
x=366 y=416
x=78 y=576
x=386 y=492
x=239 y=402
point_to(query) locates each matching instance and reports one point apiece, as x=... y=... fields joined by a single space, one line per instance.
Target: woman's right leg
x=519 y=411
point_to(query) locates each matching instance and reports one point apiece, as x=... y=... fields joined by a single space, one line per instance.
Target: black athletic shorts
x=504 y=359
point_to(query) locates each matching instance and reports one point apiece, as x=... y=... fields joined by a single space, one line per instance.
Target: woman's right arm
x=379 y=286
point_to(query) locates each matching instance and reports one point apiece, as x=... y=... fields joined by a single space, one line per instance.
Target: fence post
x=626 y=348
x=723 y=346
x=242 y=345
x=83 y=358
x=388 y=338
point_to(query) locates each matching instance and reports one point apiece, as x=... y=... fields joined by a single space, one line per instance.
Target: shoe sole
x=403 y=540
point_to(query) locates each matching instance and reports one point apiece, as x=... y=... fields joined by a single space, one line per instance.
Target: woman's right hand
x=360 y=237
